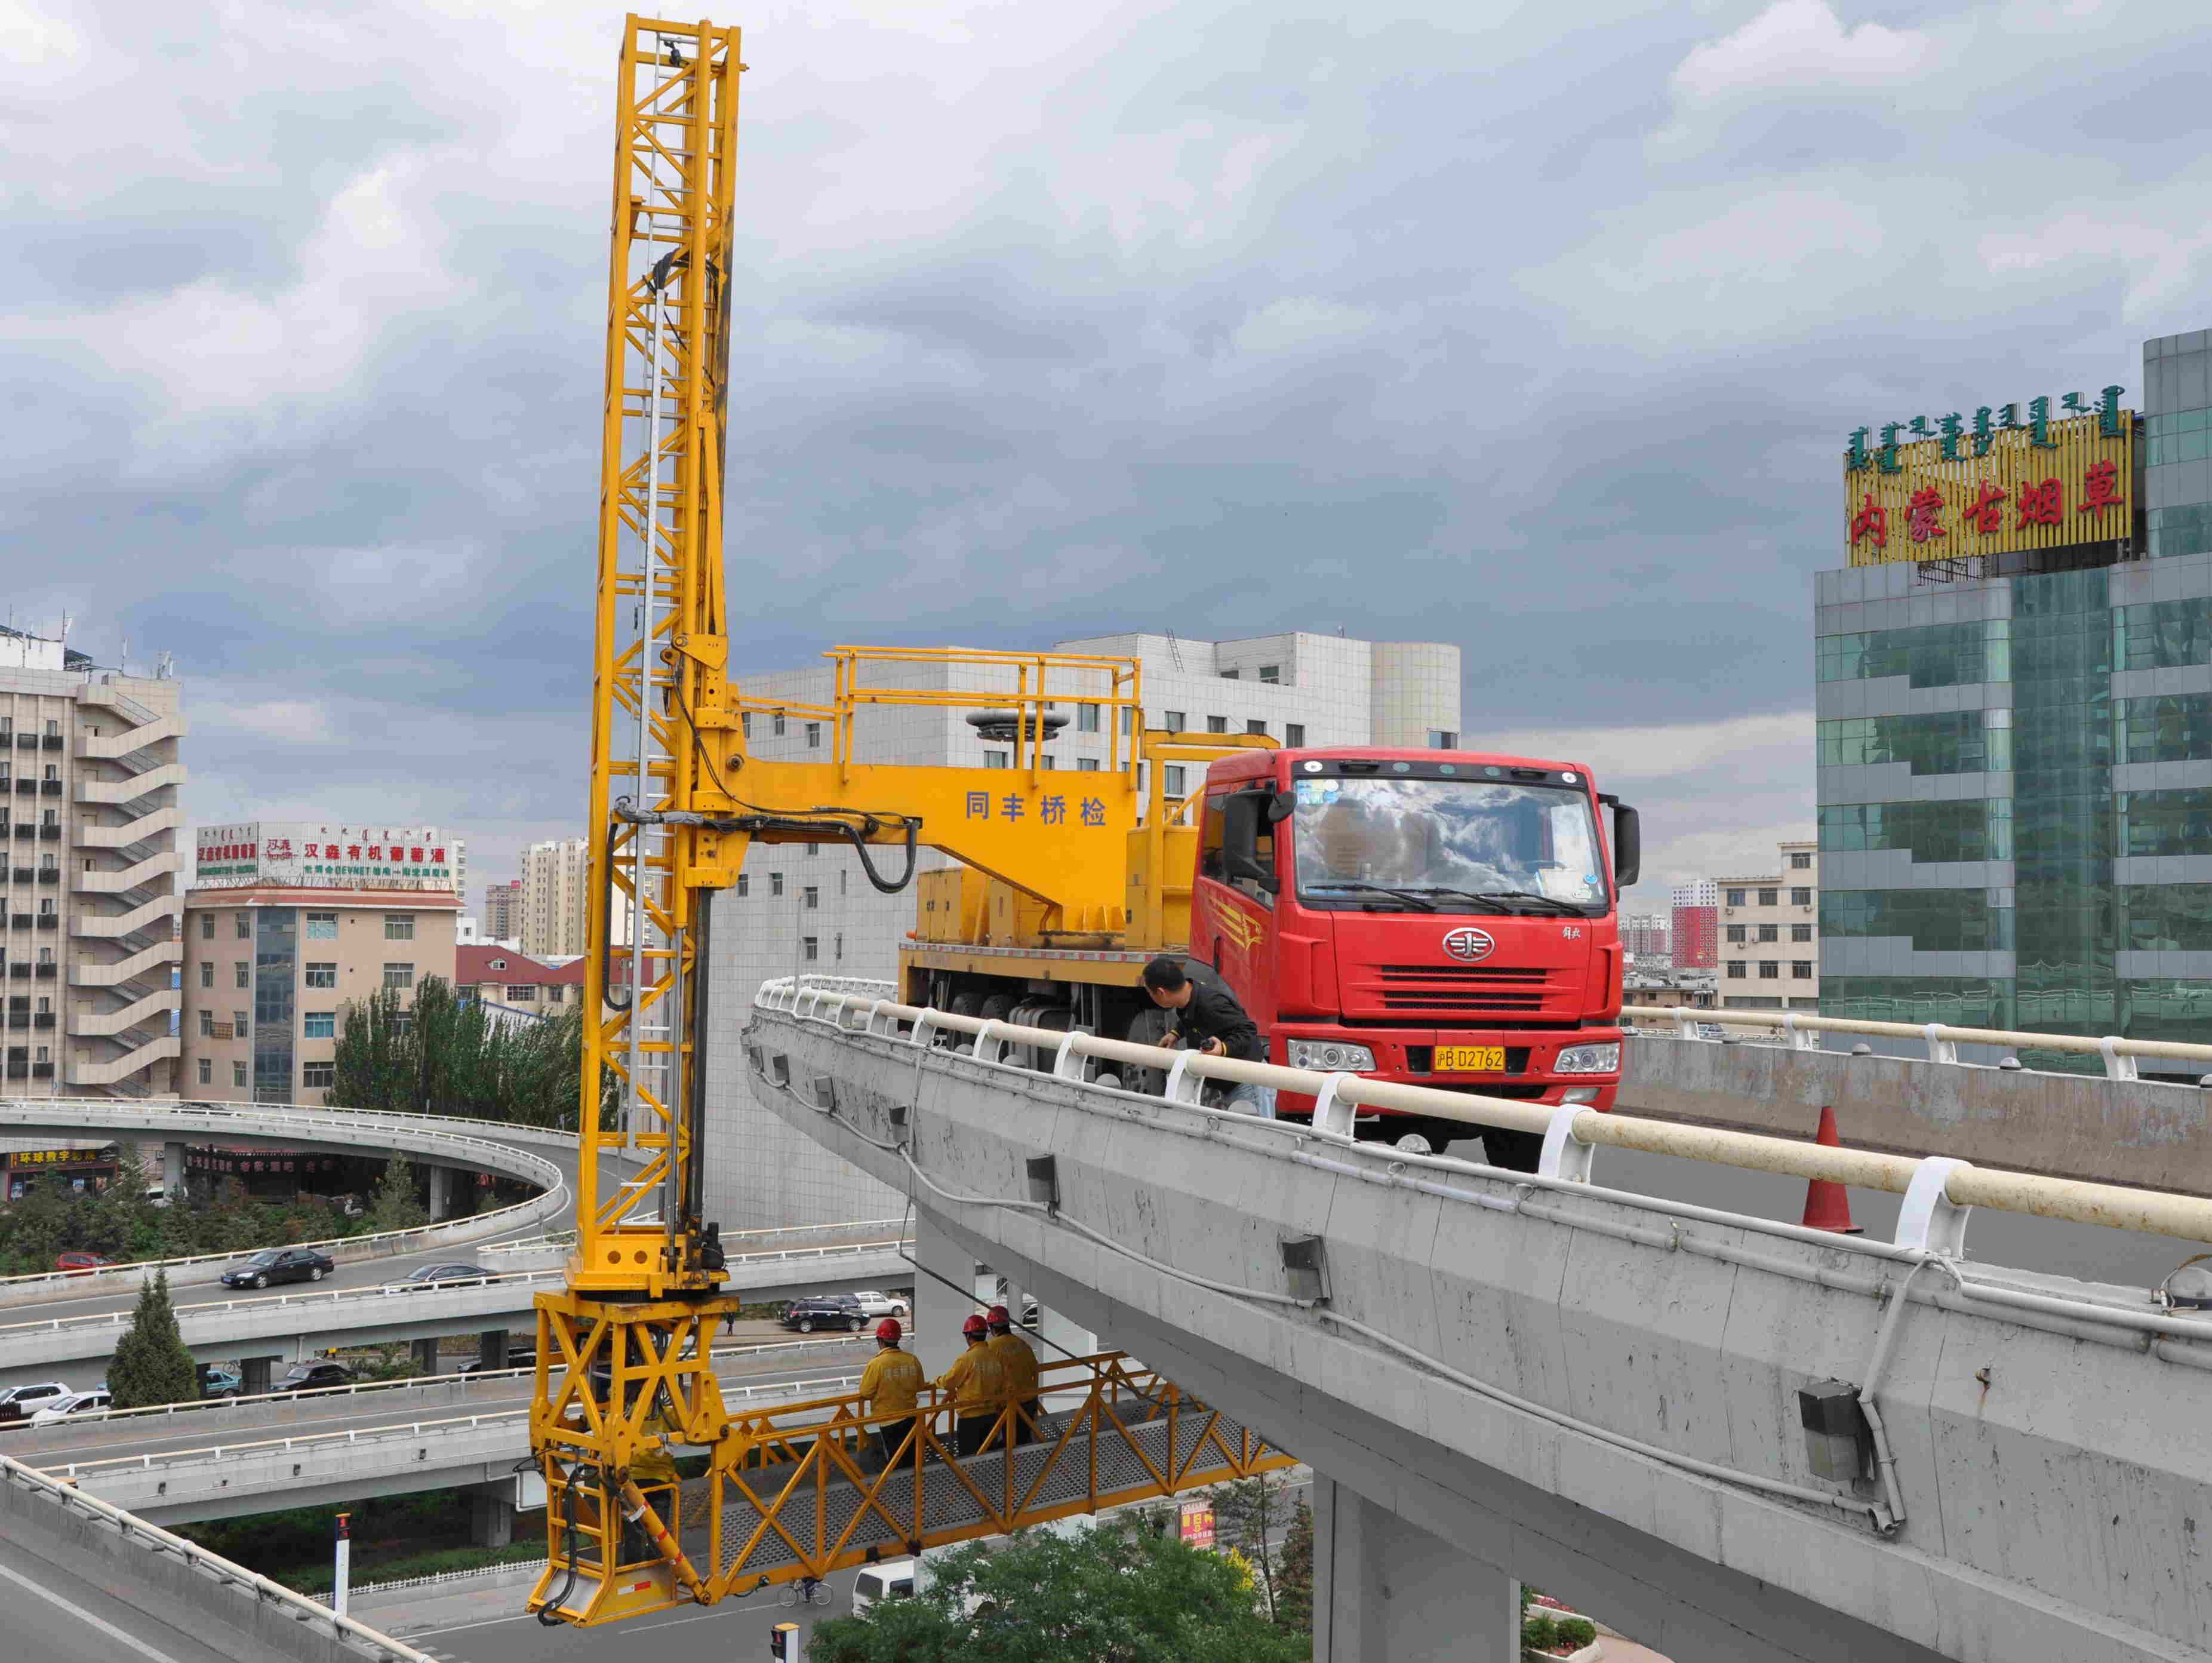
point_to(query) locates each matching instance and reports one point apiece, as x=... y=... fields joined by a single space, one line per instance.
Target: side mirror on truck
x=1627 y=840
x=1240 y=837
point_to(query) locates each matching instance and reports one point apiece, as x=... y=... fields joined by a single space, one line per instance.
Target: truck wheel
x=1518 y=1152
x=1147 y=1027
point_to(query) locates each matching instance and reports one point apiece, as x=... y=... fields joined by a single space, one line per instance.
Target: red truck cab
x=1445 y=918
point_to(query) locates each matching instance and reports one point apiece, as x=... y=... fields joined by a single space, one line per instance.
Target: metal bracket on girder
x=1566 y=1156
x=988 y=1035
x=2116 y=1066
x=1331 y=1115
x=1800 y=1038
x=1183 y=1085
x=1067 y=1054
x=1940 y=1050
x=925 y=1028
x=1930 y=1221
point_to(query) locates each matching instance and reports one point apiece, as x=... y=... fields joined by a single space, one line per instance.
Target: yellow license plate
x=1470 y=1059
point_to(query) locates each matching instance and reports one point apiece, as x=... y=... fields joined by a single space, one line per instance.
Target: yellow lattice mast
x=625 y=1378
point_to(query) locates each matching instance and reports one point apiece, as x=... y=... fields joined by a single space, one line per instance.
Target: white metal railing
x=453 y=1134
x=365 y=1388
x=155 y=1539
x=1938 y=1190
x=1802 y=1031
x=335 y=1298
x=70 y=1471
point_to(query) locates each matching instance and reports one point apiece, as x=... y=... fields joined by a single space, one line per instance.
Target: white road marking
x=105 y=1627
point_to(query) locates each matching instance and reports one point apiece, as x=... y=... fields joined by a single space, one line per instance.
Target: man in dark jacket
x=1208 y=1019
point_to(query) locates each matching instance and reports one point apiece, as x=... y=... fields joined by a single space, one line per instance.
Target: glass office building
x=2016 y=761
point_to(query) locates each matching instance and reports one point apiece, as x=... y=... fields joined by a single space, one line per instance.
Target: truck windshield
x=1445 y=844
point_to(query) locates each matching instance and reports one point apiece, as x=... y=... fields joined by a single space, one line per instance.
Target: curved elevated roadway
x=1501 y=1374
x=67 y=1327
x=216 y=1461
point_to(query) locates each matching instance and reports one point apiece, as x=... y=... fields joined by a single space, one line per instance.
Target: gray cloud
x=1459 y=322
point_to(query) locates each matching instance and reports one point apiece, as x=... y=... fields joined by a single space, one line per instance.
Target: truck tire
x=1147 y=1027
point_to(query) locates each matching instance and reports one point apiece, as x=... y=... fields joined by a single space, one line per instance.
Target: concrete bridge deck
x=1513 y=1376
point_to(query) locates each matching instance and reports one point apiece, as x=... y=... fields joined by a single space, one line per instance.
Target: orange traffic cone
x=1828 y=1205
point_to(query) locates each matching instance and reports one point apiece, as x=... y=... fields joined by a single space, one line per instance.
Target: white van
x=894 y=1578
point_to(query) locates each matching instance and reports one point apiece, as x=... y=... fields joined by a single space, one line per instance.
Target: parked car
x=432 y=1275
x=82 y=1264
x=20 y=1403
x=313 y=1377
x=874 y=1304
x=518 y=1356
x=273 y=1264
x=894 y=1578
x=217 y=1381
x=74 y=1402
x=822 y=1311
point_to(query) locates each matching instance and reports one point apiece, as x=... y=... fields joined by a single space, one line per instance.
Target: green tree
x=1105 y=1595
x=395 y=1207
x=1294 y=1574
x=152 y=1365
x=1246 y=1513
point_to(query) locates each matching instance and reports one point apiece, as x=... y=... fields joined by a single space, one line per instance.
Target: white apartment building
x=1771 y=936
x=551 y=912
x=808 y=908
x=88 y=784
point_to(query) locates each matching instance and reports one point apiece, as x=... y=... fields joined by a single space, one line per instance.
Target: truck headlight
x=1590 y=1059
x=1331 y=1056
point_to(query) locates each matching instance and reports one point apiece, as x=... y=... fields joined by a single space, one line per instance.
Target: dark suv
x=273 y=1264
x=824 y=1311
x=313 y=1377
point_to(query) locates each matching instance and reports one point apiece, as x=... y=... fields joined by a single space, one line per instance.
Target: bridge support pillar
x=491 y=1515
x=425 y=1356
x=441 y=1193
x=253 y=1375
x=1387 y=1592
x=491 y=1348
x=172 y=1173
x=944 y=1276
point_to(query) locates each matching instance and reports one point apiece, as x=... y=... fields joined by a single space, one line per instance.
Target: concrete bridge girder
x=1683 y=1350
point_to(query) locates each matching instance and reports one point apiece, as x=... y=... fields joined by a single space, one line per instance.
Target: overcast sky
x=1533 y=328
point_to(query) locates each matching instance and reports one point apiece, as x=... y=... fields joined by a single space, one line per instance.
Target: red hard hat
x=999 y=1319
x=888 y=1331
x=973 y=1326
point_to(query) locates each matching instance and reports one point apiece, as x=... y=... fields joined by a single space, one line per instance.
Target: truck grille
x=1461 y=987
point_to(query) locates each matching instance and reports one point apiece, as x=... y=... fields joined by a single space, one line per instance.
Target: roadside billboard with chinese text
x=306 y=854
x=2041 y=485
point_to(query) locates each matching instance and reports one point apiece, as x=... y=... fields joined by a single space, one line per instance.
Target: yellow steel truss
x=677 y=798
x=807 y=1488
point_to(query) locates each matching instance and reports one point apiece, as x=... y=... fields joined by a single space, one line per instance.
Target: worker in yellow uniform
x=890 y=1383
x=1021 y=1366
x=977 y=1385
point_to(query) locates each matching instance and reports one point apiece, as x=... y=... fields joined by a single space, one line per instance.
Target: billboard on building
x=309 y=854
x=1994 y=485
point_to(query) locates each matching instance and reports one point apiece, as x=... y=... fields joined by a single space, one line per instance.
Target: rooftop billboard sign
x=309 y=854
x=1947 y=489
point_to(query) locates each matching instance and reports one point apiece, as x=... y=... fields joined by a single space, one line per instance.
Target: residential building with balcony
x=1770 y=930
x=89 y=772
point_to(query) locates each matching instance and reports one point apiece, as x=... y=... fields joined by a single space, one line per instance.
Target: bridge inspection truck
x=1448 y=918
